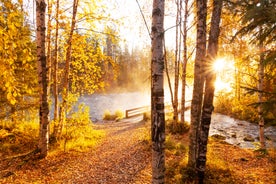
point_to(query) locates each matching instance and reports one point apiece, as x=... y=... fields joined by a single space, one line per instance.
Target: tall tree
x=55 y=63
x=55 y=73
x=196 y=106
x=42 y=78
x=259 y=22
x=18 y=74
x=178 y=37
x=48 y=43
x=65 y=89
x=209 y=77
x=185 y=60
x=157 y=93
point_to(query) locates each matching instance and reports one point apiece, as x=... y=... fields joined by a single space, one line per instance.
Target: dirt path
x=123 y=157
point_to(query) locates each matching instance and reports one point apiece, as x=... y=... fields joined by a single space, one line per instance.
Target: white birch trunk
x=42 y=78
x=157 y=94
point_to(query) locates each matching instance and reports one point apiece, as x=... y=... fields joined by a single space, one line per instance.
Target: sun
x=222 y=67
x=219 y=64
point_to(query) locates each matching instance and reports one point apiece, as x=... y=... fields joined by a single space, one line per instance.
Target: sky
x=132 y=29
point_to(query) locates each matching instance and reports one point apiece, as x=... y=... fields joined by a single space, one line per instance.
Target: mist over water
x=99 y=103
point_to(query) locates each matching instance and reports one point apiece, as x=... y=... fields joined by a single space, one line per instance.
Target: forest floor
x=121 y=157
x=124 y=156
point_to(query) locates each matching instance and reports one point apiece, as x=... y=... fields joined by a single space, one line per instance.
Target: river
x=232 y=130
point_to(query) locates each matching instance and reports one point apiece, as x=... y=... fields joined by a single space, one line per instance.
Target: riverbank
x=234 y=131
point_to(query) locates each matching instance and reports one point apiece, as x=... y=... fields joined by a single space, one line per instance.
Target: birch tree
x=157 y=93
x=67 y=69
x=196 y=105
x=185 y=59
x=48 y=43
x=55 y=73
x=55 y=63
x=178 y=37
x=209 y=89
x=42 y=78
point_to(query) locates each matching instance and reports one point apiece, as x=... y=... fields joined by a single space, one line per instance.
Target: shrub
x=116 y=116
x=119 y=114
x=146 y=116
x=78 y=133
x=177 y=128
x=241 y=109
x=107 y=115
x=18 y=138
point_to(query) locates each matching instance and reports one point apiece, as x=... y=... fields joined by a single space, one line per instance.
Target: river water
x=232 y=130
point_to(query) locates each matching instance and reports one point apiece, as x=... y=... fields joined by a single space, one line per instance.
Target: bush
x=116 y=116
x=241 y=109
x=177 y=128
x=146 y=116
x=17 y=138
x=78 y=134
x=119 y=114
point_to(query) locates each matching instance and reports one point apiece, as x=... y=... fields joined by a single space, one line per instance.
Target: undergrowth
x=78 y=134
x=176 y=127
x=243 y=109
x=118 y=114
x=225 y=163
x=19 y=137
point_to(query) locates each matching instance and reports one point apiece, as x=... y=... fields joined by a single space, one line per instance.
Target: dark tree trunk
x=196 y=105
x=210 y=78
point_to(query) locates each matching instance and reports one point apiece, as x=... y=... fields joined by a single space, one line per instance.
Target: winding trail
x=123 y=157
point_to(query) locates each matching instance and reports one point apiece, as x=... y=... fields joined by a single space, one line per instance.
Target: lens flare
x=219 y=64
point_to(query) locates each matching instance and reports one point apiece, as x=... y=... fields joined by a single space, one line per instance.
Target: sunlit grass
x=18 y=137
x=82 y=140
x=225 y=163
x=119 y=114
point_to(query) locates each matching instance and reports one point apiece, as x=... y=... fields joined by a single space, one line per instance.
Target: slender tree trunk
x=55 y=85
x=167 y=73
x=176 y=65
x=185 y=60
x=196 y=105
x=48 y=41
x=260 y=94
x=157 y=93
x=42 y=78
x=48 y=57
x=67 y=68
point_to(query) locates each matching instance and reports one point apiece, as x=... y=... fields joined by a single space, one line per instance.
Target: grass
x=81 y=140
x=226 y=163
x=119 y=114
x=17 y=138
